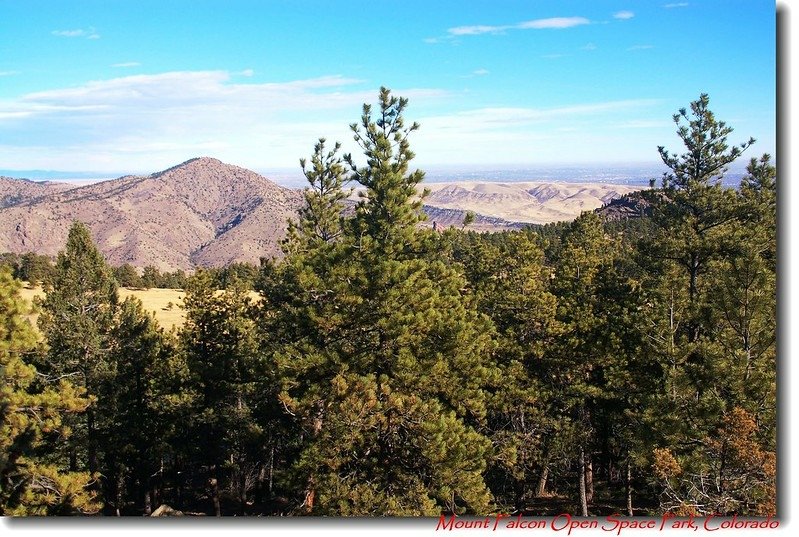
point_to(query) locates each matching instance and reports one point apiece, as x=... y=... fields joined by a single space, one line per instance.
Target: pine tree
x=509 y=281
x=30 y=416
x=219 y=341
x=695 y=208
x=576 y=362
x=382 y=360
x=711 y=305
x=126 y=276
x=77 y=319
x=693 y=219
x=135 y=440
x=321 y=217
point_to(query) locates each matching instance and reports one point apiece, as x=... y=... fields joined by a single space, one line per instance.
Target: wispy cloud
x=477 y=30
x=623 y=15
x=91 y=33
x=554 y=23
x=588 y=46
x=552 y=56
x=640 y=47
x=507 y=133
x=69 y=33
x=247 y=72
x=676 y=4
x=644 y=124
x=557 y=23
x=126 y=64
x=8 y=73
x=476 y=73
x=146 y=121
x=503 y=117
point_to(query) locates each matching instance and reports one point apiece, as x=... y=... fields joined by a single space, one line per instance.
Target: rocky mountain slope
x=200 y=213
x=632 y=205
x=204 y=212
x=16 y=191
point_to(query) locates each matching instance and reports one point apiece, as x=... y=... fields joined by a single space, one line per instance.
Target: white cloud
x=126 y=64
x=557 y=23
x=623 y=15
x=69 y=33
x=676 y=4
x=247 y=72
x=640 y=47
x=645 y=124
x=9 y=73
x=91 y=33
x=144 y=121
x=588 y=46
x=477 y=30
x=505 y=119
x=554 y=23
x=477 y=72
x=552 y=56
x=519 y=134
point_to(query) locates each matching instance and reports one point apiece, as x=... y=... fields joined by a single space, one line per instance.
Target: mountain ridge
x=201 y=212
x=204 y=212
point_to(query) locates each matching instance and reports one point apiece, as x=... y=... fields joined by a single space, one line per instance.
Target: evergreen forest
x=381 y=368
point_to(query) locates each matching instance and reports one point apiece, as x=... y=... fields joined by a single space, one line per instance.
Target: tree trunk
x=589 y=480
x=271 y=468
x=541 y=489
x=581 y=475
x=242 y=487
x=310 y=487
x=629 y=484
x=120 y=493
x=518 y=494
x=91 y=440
x=213 y=484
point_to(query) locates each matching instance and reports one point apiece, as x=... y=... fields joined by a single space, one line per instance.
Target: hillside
x=204 y=212
x=16 y=191
x=529 y=202
x=200 y=213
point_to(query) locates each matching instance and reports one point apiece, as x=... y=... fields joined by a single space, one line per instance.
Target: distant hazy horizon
x=609 y=173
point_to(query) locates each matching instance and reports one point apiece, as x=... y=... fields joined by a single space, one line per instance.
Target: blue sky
x=124 y=86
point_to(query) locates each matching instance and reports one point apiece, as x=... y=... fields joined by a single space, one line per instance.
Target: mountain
x=204 y=212
x=528 y=202
x=200 y=213
x=444 y=218
x=16 y=191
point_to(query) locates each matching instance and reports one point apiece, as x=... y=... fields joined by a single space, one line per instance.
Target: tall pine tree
x=382 y=360
x=78 y=314
x=32 y=416
x=711 y=311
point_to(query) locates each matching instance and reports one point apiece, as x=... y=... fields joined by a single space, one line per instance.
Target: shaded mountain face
x=633 y=205
x=200 y=213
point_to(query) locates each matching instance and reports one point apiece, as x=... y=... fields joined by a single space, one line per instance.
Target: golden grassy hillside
x=165 y=304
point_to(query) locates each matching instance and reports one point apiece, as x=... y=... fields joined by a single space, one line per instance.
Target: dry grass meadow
x=165 y=304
